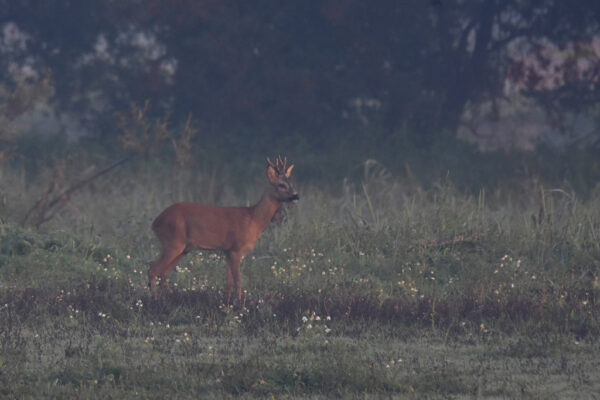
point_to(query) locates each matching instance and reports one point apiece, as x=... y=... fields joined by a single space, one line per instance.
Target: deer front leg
x=234 y=277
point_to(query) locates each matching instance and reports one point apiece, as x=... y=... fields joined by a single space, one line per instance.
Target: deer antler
x=274 y=166
x=281 y=164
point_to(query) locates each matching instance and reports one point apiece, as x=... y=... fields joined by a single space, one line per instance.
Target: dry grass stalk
x=141 y=136
x=58 y=195
x=460 y=239
x=182 y=145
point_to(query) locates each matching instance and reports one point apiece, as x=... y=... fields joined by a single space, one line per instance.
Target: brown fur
x=183 y=227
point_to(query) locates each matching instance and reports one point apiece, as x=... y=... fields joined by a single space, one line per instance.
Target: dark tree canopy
x=308 y=66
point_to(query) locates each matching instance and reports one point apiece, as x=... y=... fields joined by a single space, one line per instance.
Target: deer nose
x=294 y=197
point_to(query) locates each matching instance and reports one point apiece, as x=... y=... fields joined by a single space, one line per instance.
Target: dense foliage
x=308 y=68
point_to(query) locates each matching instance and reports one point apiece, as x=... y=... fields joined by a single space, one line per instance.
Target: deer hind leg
x=161 y=267
x=229 y=281
x=168 y=267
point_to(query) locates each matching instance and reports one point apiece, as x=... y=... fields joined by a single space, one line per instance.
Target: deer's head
x=278 y=175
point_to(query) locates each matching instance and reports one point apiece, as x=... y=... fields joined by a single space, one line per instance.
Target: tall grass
x=372 y=285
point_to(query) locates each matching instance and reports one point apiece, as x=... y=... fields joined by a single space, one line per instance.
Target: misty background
x=478 y=92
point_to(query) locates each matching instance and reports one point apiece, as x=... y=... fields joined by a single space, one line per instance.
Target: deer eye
x=282 y=186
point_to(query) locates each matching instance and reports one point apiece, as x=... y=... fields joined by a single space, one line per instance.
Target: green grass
x=375 y=289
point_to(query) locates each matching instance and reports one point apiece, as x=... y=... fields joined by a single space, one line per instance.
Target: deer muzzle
x=294 y=197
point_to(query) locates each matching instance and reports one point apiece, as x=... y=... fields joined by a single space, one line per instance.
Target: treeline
x=308 y=69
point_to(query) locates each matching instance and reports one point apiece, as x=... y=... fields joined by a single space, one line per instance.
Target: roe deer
x=234 y=230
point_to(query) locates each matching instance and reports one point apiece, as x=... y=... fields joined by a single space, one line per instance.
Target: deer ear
x=288 y=171
x=271 y=174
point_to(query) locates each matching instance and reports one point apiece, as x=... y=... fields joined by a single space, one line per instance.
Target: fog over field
x=438 y=237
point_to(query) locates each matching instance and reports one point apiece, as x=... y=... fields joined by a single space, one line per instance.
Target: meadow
x=372 y=287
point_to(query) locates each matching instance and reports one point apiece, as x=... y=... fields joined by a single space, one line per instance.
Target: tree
x=309 y=66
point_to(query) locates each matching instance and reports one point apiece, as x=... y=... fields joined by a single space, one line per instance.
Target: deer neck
x=263 y=211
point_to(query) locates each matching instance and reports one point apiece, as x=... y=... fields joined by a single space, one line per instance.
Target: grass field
x=372 y=289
